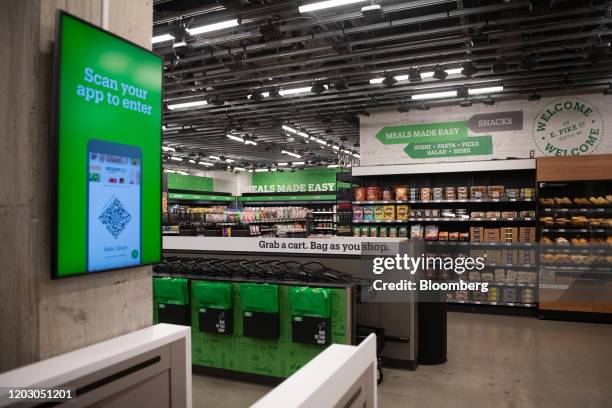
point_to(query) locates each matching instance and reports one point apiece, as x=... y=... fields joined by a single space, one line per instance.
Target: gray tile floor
x=493 y=361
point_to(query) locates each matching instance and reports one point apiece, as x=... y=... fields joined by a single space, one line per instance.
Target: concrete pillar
x=40 y=318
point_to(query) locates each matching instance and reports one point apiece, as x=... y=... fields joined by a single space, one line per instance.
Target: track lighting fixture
x=468 y=69
x=215 y=100
x=488 y=101
x=440 y=73
x=414 y=74
x=466 y=103
x=275 y=94
x=462 y=92
x=256 y=96
x=341 y=86
x=389 y=80
x=317 y=88
x=534 y=97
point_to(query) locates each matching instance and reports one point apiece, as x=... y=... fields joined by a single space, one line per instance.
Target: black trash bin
x=432 y=332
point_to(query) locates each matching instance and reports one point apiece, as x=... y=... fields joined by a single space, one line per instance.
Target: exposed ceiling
x=526 y=46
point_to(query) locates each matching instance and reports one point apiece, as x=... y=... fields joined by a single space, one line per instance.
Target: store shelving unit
x=345 y=182
x=511 y=267
x=576 y=237
x=188 y=202
x=324 y=220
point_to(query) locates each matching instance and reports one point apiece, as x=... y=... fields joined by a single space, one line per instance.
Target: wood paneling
x=569 y=306
x=566 y=168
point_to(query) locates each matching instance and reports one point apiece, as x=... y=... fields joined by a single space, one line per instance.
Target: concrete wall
x=41 y=318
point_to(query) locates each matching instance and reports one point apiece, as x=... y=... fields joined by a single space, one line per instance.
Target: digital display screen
x=107 y=122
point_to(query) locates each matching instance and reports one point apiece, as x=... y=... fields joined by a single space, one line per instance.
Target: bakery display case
x=575 y=232
x=576 y=246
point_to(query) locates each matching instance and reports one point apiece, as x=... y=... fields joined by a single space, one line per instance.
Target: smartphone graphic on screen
x=114 y=191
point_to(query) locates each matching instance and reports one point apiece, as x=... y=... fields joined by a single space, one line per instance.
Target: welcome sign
x=300 y=181
x=572 y=125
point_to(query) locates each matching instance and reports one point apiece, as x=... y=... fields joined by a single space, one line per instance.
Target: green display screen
x=107 y=122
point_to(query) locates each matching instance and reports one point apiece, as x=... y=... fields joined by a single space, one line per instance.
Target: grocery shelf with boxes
x=575 y=219
x=320 y=219
x=491 y=214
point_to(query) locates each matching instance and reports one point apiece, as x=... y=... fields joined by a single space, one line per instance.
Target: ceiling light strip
x=297 y=156
x=486 y=91
x=320 y=5
x=212 y=27
x=161 y=38
x=434 y=95
x=186 y=104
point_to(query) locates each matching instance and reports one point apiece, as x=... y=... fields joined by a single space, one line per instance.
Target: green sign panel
x=108 y=118
x=300 y=181
x=186 y=182
x=427 y=132
x=199 y=197
x=470 y=146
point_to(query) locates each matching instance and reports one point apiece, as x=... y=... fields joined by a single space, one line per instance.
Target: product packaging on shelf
x=478 y=192
x=379 y=213
x=509 y=234
x=389 y=212
x=401 y=193
x=360 y=194
x=527 y=234
x=425 y=194
x=357 y=213
x=402 y=212
x=413 y=194
x=387 y=194
x=491 y=235
x=496 y=192
x=450 y=193
x=477 y=234
x=368 y=213
x=373 y=194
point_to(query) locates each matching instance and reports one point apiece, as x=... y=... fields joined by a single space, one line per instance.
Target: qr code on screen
x=115 y=217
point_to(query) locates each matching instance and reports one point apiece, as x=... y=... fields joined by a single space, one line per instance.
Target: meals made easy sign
x=299 y=181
